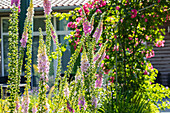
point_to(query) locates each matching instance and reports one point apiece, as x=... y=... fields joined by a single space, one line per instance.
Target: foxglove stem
x=48 y=36
x=13 y=60
x=43 y=69
x=29 y=21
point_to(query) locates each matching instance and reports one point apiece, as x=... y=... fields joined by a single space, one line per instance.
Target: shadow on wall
x=158 y=78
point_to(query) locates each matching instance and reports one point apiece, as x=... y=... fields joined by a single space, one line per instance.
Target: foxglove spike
x=69 y=108
x=99 y=80
x=84 y=63
x=43 y=63
x=47 y=6
x=30 y=12
x=53 y=35
x=94 y=102
x=98 y=32
x=16 y=2
x=87 y=27
x=81 y=102
x=24 y=39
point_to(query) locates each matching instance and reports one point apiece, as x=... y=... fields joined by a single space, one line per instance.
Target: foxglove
x=81 y=102
x=98 y=32
x=24 y=39
x=87 y=27
x=47 y=7
x=43 y=63
x=16 y=2
x=69 y=108
x=30 y=12
x=98 y=82
x=94 y=102
x=84 y=63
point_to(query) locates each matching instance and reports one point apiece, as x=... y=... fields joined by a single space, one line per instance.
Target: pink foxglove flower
x=53 y=35
x=69 y=108
x=16 y=2
x=87 y=27
x=34 y=109
x=97 y=34
x=17 y=104
x=47 y=6
x=94 y=102
x=66 y=91
x=24 y=39
x=160 y=43
x=43 y=63
x=84 y=63
x=96 y=57
x=81 y=102
x=25 y=104
x=98 y=82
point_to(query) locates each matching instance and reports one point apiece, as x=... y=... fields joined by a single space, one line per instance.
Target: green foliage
x=13 y=59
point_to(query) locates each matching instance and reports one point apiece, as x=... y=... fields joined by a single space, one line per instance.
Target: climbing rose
x=117 y=8
x=47 y=6
x=134 y=13
x=97 y=34
x=24 y=39
x=160 y=43
x=150 y=54
x=78 y=20
x=107 y=56
x=130 y=38
x=112 y=79
x=98 y=10
x=145 y=73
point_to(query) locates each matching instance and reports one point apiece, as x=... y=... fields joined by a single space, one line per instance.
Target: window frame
x=35 y=33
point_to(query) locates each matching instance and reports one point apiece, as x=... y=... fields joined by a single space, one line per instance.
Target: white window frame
x=2 y=45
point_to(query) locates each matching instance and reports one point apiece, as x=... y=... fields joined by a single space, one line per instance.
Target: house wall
x=161 y=61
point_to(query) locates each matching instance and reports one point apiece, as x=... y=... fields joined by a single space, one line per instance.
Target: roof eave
x=41 y=8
